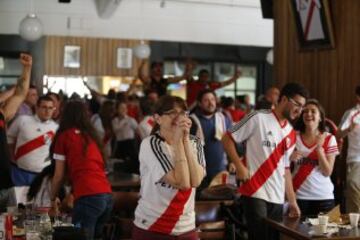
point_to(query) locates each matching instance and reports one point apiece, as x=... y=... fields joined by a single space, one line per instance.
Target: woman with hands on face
x=172 y=165
x=313 y=159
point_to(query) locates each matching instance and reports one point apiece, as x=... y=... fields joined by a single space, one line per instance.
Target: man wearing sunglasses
x=265 y=173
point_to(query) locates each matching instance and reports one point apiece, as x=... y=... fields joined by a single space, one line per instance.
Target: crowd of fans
x=177 y=146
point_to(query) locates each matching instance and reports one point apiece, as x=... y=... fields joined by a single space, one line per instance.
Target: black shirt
x=5 y=167
x=159 y=86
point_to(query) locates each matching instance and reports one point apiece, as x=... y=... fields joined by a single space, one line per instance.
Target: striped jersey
x=33 y=139
x=350 y=116
x=163 y=208
x=268 y=147
x=308 y=181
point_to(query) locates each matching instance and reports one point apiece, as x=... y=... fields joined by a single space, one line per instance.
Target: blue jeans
x=91 y=213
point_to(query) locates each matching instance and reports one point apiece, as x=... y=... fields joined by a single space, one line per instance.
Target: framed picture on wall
x=313 y=23
x=72 y=56
x=124 y=58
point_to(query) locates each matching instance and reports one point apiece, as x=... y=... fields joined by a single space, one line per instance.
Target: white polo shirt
x=350 y=116
x=33 y=139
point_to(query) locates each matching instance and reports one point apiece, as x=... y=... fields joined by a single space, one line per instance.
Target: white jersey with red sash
x=161 y=207
x=352 y=116
x=268 y=147
x=308 y=181
x=145 y=126
x=33 y=138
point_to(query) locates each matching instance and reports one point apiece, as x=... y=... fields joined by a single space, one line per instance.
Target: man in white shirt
x=29 y=138
x=349 y=127
x=265 y=173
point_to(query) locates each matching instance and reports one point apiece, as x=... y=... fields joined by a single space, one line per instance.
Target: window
x=219 y=71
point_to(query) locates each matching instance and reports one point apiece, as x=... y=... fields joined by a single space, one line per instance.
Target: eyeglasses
x=174 y=113
x=296 y=104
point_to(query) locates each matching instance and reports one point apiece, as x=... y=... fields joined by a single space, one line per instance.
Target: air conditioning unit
x=106 y=8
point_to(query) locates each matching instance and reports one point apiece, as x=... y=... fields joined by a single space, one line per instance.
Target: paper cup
x=354 y=219
x=323 y=219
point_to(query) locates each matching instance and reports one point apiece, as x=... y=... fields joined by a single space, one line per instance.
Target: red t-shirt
x=86 y=172
x=236 y=114
x=193 y=88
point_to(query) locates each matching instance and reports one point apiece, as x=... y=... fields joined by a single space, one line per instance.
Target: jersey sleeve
x=345 y=121
x=244 y=129
x=154 y=158
x=199 y=149
x=60 y=148
x=332 y=147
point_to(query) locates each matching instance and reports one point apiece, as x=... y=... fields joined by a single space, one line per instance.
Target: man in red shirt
x=194 y=87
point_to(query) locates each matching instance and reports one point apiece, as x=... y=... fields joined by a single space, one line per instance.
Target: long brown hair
x=165 y=104
x=76 y=115
x=300 y=125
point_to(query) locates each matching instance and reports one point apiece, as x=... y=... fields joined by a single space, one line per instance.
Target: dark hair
x=292 y=89
x=111 y=94
x=32 y=86
x=165 y=104
x=44 y=98
x=57 y=96
x=75 y=115
x=155 y=63
x=203 y=71
x=38 y=180
x=106 y=113
x=147 y=107
x=203 y=92
x=228 y=102
x=357 y=91
x=300 y=125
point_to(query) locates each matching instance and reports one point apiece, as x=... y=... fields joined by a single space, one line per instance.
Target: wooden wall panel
x=331 y=75
x=98 y=56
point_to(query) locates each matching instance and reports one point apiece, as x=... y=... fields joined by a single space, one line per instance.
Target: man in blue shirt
x=210 y=125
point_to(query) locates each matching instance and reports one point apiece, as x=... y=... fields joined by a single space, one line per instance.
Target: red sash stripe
x=268 y=166
x=309 y=19
x=2 y=123
x=306 y=169
x=167 y=221
x=33 y=144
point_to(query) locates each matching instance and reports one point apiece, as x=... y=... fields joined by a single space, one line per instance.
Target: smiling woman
x=314 y=160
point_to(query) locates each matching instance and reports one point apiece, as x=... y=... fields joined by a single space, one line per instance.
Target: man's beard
x=206 y=112
x=286 y=114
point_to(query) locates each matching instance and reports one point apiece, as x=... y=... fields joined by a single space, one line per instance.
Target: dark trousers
x=141 y=234
x=256 y=210
x=128 y=151
x=314 y=207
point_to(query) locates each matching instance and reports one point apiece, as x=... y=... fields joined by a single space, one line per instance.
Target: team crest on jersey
x=288 y=143
x=47 y=139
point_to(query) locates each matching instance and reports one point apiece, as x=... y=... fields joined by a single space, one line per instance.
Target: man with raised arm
x=7 y=112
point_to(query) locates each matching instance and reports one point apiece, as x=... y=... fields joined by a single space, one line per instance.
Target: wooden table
x=124 y=181
x=296 y=229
